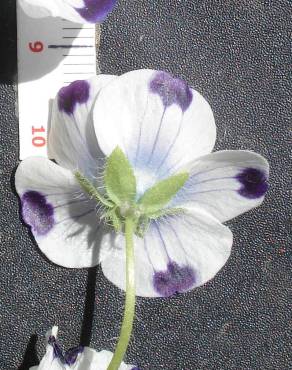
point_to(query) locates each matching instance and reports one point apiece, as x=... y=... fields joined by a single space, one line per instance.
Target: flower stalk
x=129 y=312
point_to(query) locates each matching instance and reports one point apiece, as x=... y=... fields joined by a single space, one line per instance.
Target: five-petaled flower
x=79 y=11
x=164 y=128
x=77 y=358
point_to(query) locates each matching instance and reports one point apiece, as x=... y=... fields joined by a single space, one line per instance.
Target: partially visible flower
x=77 y=358
x=164 y=128
x=79 y=11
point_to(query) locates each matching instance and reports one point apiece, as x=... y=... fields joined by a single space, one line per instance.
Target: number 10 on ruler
x=38 y=136
x=52 y=52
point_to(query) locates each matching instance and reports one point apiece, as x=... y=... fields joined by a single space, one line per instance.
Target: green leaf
x=157 y=197
x=119 y=178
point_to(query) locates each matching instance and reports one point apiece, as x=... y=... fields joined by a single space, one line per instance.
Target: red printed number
x=36 y=47
x=38 y=140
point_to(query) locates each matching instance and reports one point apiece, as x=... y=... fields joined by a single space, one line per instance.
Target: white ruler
x=52 y=52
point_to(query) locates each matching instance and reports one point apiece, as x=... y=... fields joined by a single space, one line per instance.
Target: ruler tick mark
x=78 y=37
x=69 y=46
x=79 y=55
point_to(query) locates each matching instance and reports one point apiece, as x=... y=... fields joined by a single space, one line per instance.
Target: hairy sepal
x=119 y=178
x=157 y=197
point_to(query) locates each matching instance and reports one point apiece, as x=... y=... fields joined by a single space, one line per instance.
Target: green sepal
x=120 y=182
x=157 y=197
x=91 y=190
x=112 y=217
x=142 y=226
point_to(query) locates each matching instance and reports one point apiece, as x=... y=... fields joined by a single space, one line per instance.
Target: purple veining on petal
x=57 y=350
x=171 y=90
x=70 y=96
x=37 y=212
x=176 y=279
x=96 y=10
x=254 y=183
x=72 y=354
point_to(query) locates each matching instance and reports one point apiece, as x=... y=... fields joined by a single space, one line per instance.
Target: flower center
x=145 y=180
x=137 y=196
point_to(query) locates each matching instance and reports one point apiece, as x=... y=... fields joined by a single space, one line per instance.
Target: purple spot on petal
x=135 y=368
x=171 y=90
x=70 y=96
x=96 y=10
x=254 y=183
x=72 y=354
x=176 y=279
x=37 y=213
x=51 y=339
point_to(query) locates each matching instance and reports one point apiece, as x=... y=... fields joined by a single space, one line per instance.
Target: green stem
x=129 y=311
x=87 y=186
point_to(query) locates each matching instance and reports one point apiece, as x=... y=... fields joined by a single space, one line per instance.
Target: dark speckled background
x=238 y=55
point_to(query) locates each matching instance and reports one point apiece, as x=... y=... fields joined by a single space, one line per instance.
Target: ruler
x=52 y=52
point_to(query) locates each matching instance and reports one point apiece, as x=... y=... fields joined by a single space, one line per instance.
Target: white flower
x=164 y=128
x=79 y=11
x=78 y=358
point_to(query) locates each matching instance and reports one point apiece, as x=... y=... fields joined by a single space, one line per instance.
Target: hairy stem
x=87 y=186
x=129 y=311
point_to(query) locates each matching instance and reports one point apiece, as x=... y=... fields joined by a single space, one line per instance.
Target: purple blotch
x=72 y=354
x=70 y=96
x=254 y=183
x=96 y=10
x=37 y=213
x=176 y=279
x=135 y=368
x=171 y=90
x=58 y=353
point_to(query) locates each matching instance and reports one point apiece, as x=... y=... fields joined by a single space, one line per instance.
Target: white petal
x=79 y=11
x=157 y=120
x=88 y=359
x=178 y=253
x=72 y=141
x=49 y=362
x=225 y=183
x=92 y=360
x=63 y=219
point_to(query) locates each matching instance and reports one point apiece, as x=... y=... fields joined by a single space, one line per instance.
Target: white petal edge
x=214 y=185
x=53 y=8
x=194 y=239
x=63 y=219
x=67 y=9
x=93 y=360
x=72 y=141
x=89 y=359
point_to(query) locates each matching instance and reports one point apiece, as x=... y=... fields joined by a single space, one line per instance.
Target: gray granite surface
x=238 y=55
